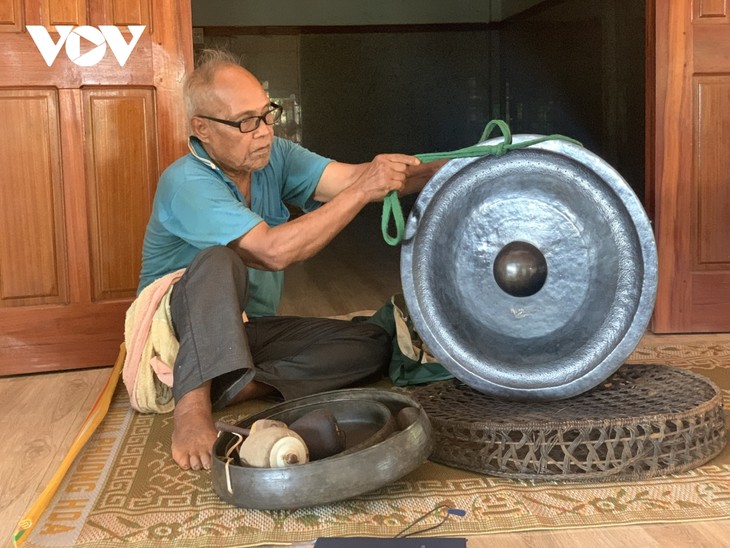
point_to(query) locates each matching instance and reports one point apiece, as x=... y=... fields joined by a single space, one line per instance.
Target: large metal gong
x=532 y=275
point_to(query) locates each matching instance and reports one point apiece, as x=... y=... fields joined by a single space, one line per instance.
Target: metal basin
x=530 y=276
x=365 y=422
x=372 y=459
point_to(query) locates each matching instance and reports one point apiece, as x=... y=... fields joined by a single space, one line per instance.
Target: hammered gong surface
x=559 y=331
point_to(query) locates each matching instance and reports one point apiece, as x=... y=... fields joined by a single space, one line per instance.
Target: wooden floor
x=42 y=413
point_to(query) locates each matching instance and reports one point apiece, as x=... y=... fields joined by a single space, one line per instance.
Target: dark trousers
x=297 y=356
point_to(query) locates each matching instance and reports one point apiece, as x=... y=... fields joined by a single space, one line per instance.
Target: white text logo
x=99 y=37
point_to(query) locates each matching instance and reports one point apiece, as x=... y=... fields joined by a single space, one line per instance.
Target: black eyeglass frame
x=273 y=108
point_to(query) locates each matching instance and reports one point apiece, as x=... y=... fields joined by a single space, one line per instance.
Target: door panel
x=63 y=12
x=712 y=165
x=121 y=159
x=32 y=209
x=710 y=11
x=691 y=165
x=131 y=12
x=10 y=20
x=87 y=146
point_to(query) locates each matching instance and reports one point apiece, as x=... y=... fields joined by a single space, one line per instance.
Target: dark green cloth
x=404 y=371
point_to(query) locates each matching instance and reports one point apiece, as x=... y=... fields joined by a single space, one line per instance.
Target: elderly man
x=219 y=213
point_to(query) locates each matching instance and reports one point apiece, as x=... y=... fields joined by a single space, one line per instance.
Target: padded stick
x=319 y=430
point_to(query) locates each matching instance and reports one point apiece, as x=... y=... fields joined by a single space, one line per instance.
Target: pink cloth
x=136 y=335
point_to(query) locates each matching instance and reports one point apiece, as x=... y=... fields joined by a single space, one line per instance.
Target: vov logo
x=71 y=37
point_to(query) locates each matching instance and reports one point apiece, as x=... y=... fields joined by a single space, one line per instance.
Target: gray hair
x=198 y=85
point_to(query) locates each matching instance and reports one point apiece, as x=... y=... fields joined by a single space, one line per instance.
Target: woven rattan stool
x=644 y=421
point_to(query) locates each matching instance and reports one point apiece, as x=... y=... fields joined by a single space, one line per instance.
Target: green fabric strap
x=391 y=204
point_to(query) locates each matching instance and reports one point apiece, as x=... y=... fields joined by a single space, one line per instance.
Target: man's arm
x=337 y=176
x=354 y=185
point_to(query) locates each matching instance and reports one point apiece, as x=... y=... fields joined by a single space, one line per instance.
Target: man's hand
x=418 y=176
x=387 y=172
x=374 y=179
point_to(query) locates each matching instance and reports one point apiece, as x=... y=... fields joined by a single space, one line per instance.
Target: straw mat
x=120 y=487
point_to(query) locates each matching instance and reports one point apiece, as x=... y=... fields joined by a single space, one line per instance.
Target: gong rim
x=596 y=228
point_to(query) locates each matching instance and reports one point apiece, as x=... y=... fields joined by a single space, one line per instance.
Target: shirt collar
x=199 y=153
x=197 y=150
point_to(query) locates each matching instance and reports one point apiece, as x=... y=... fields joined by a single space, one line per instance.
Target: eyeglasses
x=247 y=125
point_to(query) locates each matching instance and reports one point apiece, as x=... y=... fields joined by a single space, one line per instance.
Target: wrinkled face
x=236 y=95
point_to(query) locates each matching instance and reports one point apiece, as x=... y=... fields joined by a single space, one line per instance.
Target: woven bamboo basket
x=644 y=421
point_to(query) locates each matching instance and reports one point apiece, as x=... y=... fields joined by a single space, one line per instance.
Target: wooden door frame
x=85 y=328
x=662 y=81
x=686 y=164
x=649 y=197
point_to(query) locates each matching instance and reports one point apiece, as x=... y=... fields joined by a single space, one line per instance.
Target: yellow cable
x=92 y=421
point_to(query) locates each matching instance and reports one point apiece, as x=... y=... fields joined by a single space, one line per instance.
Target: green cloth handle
x=391 y=203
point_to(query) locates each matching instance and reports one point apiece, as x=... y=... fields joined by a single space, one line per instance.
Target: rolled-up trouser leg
x=206 y=306
x=303 y=356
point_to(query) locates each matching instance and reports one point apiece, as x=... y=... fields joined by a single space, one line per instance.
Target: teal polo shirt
x=197 y=206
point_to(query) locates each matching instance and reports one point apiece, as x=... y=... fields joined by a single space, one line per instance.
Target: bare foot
x=194 y=432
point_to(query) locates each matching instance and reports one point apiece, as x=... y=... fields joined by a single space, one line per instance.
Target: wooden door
x=689 y=161
x=80 y=153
